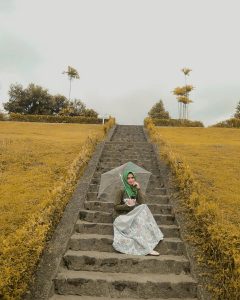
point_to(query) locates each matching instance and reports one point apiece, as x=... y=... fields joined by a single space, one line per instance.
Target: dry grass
x=34 y=157
x=205 y=163
x=214 y=157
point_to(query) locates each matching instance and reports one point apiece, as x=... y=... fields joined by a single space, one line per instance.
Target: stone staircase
x=92 y=269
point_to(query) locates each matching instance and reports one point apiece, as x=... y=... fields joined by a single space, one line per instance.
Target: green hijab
x=130 y=190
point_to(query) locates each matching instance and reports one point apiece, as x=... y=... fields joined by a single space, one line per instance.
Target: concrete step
x=139 y=149
x=107 y=217
x=140 y=152
x=126 y=285
x=107 y=228
x=131 y=155
x=128 y=145
x=158 y=191
x=124 y=263
x=77 y=297
x=109 y=207
x=148 y=159
x=120 y=159
x=110 y=161
x=118 y=148
x=155 y=183
x=124 y=140
x=103 y=168
x=96 y=216
x=97 y=242
x=153 y=199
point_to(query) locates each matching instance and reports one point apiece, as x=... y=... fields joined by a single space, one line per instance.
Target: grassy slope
x=214 y=157
x=33 y=158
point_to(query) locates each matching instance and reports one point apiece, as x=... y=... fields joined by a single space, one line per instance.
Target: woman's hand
x=137 y=185
x=131 y=202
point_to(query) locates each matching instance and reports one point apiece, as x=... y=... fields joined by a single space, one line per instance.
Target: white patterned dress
x=136 y=232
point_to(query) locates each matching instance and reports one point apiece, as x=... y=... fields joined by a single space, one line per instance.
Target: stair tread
x=79 y=221
x=110 y=276
x=100 y=254
x=110 y=213
x=111 y=203
x=96 y=211
x=107 y=236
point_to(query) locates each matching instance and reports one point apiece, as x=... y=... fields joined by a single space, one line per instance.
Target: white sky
x=129 y=53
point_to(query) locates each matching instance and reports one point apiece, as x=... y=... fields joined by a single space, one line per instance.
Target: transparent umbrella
x=112 y=180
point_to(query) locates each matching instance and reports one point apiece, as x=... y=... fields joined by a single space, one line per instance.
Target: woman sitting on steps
x=135 y=229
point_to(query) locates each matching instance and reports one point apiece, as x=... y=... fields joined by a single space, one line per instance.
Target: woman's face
x=130 y=179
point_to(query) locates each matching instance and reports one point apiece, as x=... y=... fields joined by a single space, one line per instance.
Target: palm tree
x=182 y=94
x=72 y=73
x=186 y=72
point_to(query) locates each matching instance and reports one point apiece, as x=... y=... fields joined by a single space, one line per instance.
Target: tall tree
x=237 y=112
x=182 y=94
x=158 y=111
x=32 y=100
x=38 y=99
x=16 y=102
x=72 y=73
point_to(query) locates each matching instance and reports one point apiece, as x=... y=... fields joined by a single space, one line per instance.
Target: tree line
x=35 y=100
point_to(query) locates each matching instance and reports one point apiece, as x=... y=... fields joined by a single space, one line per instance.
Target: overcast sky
x=129 y=53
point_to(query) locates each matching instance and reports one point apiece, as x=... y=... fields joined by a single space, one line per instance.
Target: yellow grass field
x=205 y=165
x=34 y=156
x=214 y=157
x=40 y=164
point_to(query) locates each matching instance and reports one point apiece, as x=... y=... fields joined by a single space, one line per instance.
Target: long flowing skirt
x=136 y=232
